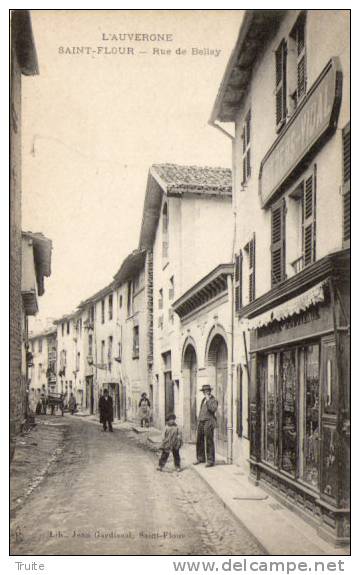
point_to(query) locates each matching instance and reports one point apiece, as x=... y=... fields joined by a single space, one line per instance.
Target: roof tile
x=196 y=179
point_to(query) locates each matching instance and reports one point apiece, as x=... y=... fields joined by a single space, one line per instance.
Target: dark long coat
x=210 y=406
x=106 y=409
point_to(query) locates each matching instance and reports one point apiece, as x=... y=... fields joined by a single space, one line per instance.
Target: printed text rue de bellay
x=153 y=44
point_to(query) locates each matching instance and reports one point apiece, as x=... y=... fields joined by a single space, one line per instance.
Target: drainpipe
x=230 y=428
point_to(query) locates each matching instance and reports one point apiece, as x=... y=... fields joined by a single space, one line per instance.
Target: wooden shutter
x=309 y=220
x=278 y=243
x=301 y=59
x=239 y=401
x=252 y=269
x=280 y=84
x=346 y=183
x=238 y=281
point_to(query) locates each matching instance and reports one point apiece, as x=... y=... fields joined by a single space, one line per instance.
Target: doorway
x=90 y=394
x=169 y=394
x=115 y=394
x=168 y=385
x=122 y=401
x=218 y=364
x=190 y=369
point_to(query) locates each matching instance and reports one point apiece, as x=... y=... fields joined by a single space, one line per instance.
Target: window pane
x=288 y=421
x=311 y=423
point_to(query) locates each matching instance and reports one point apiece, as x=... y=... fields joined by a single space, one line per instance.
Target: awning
x=296 y=305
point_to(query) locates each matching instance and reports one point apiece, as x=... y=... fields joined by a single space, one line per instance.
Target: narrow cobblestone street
x=103 y=495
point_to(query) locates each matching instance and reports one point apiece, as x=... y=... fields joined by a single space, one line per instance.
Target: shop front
x=299 y=393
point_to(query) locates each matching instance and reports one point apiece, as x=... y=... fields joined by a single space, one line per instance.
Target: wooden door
x=221 y=376
x=122 y=399
x=90 y=394
x=193 y=384
x=117 y=401
x=169 y=394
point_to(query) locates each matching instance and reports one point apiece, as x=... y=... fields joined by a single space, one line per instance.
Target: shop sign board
x=316 y=116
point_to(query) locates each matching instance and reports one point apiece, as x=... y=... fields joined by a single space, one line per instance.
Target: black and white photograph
x=180 y=283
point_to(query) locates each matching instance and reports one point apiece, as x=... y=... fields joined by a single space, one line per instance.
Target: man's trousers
x=205 y=446
x=107 y=420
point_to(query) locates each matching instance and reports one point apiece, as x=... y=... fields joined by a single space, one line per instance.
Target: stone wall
x=16 y=384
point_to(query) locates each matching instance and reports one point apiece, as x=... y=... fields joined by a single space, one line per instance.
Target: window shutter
x=301 y=60
x=248 y=166
x=252 y=269
x=280 y=83
x=238 y=281
x=309 y=222
x=346 y=142
x=278 y=243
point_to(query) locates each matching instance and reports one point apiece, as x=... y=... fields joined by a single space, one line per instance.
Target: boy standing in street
x=172 y=441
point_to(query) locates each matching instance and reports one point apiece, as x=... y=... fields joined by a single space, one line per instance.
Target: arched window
x=165 y=231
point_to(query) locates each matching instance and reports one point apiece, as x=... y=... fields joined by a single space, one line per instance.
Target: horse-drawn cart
x=56 y=400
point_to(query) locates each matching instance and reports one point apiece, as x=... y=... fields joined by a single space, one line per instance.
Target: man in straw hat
x=205 y=447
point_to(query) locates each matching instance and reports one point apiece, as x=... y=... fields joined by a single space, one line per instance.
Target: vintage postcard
x=180 y=284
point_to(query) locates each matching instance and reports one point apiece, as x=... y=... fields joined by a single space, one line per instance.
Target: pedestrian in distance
x=172 y=442
x=72 y=404
x=144 y=410
x=106 y=410
x=38 y=409
x=205 y=446
x=43 y=404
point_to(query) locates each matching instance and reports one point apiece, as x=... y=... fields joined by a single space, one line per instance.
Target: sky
x=93 y=123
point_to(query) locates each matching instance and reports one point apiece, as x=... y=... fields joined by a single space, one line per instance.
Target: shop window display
x=312 y=418
x=288 y=412
x=269 y=441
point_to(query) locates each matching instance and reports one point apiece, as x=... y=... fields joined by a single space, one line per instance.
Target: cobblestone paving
x=104 y=497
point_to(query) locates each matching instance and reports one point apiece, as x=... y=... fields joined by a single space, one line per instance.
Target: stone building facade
x=133 y=289
x=42 y=365
x=23 y=61
x=67 y=364
x=116 y=350
x=180 y=227
x=286 y=92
